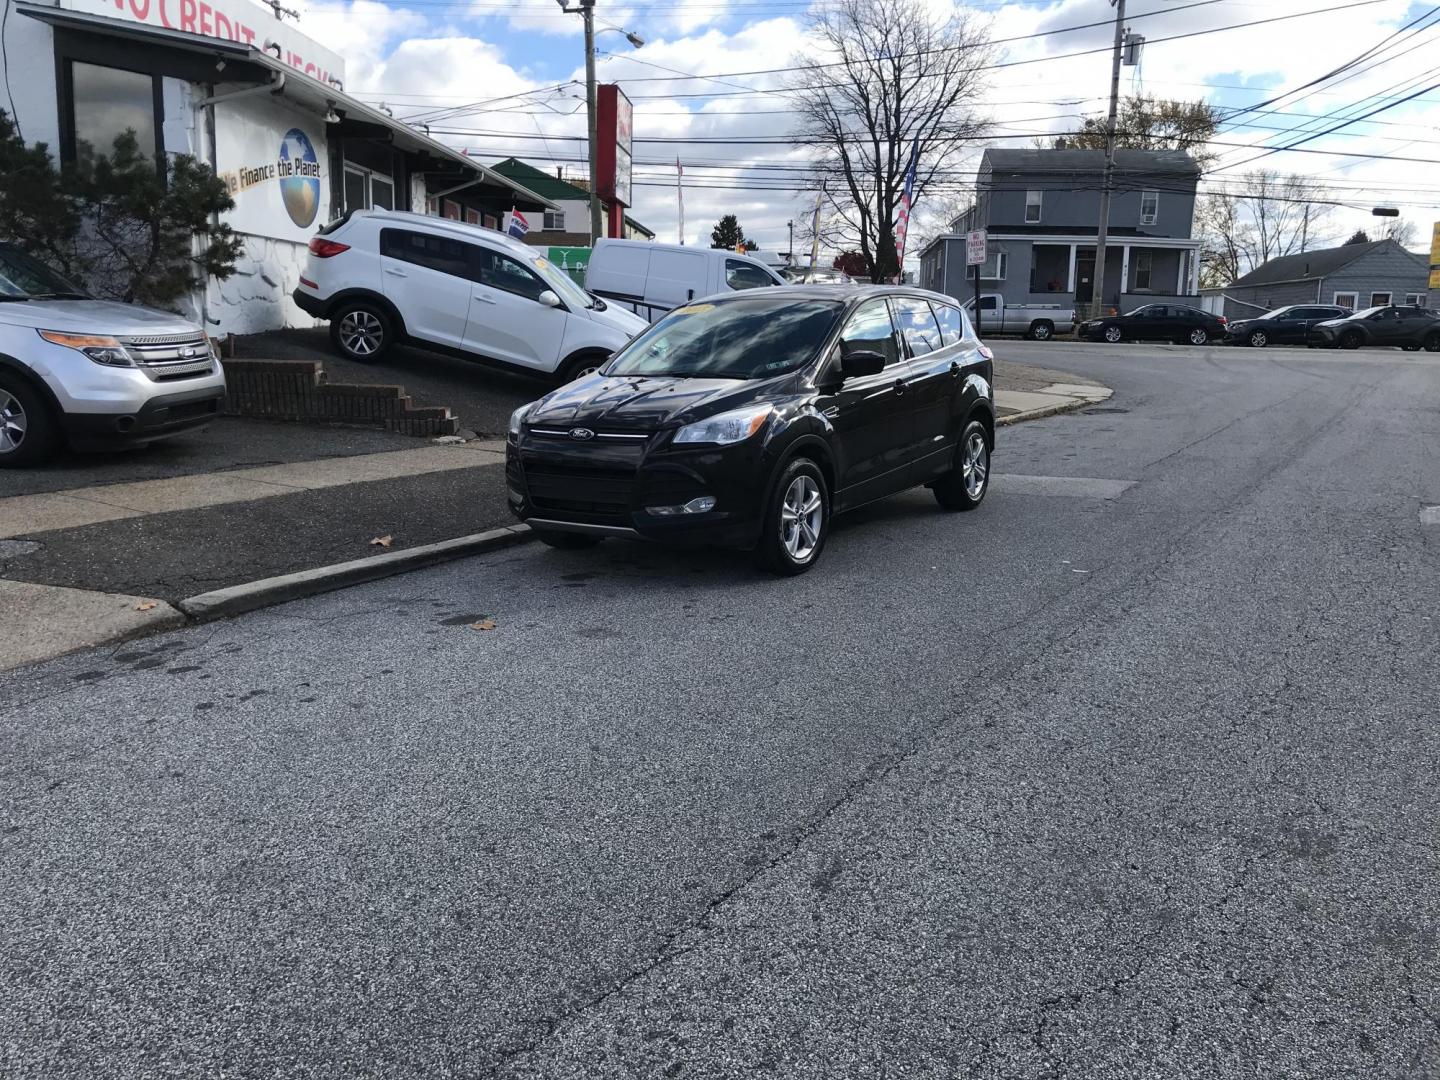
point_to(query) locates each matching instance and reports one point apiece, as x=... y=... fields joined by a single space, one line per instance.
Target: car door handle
x=395 y=272
x=484 y=298
x=899 y=386
x=954 y=370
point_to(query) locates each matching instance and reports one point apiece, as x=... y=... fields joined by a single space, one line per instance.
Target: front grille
x=601 y=436
x=171 y=357
x=597 y=493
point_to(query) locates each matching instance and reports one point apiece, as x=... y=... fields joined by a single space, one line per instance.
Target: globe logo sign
x=299 y=177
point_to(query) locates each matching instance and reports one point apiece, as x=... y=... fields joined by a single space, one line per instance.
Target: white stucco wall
x=257 y=296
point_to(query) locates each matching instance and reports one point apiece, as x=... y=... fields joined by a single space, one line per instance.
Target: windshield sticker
x=695 y=309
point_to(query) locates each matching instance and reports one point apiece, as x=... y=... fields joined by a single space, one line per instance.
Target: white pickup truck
x=1039 y=322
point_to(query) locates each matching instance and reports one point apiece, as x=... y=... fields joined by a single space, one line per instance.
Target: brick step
x=300 y=390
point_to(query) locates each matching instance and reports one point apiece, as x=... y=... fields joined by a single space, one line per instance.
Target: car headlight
x=101 y=349
x=726 y=428
x=517 y=416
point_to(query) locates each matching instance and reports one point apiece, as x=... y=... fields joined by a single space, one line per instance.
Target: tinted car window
x=422 y=249
x=502 y=272
x=1154 y=311
x=952 y=326
x=870 y=330
x=987 y=303
x=749 y=338
x=917 y=326
x=741 y=275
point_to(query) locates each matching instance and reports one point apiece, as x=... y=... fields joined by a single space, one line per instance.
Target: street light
x=586 y=11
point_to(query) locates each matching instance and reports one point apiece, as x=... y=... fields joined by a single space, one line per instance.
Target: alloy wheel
x=361 y=333
x=1258 y=339
x=975 y=465
x=1112 y=334
x=1199 y=336
x=1041 y=333
x=13 y=423
x=801 y=518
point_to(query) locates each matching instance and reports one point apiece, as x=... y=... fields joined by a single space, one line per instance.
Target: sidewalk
x=101 y=562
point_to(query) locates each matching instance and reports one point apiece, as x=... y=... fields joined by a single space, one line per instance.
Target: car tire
x=1113 y=334
x=964 y=486
x=29 y=432
x=577 y=367
x=1432 y=343
x=1041 y=330
x=1198 y=336
x=361 y=330
x=1410 y=347
x=1258 y=339
x=566 y=541
x=796 y=521
x=1351 y=340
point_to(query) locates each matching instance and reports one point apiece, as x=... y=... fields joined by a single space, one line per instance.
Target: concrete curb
x=277 y=590
x=1048 y=410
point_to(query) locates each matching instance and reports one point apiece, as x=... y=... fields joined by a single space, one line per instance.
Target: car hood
x=1329 y=323
x=618 y=318
x=94 y=317
x=631 y=402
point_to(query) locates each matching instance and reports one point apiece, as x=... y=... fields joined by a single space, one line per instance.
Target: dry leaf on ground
x=382 y=541
x=146 y=606
x=483 y=624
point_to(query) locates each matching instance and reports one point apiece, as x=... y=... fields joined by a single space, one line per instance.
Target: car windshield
x=751 y=338
x=25 y=278
x=563 y=284
x=1367 y=312
x=1278 y=313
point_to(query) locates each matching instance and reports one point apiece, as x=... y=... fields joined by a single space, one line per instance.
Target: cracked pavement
x=1068 y=787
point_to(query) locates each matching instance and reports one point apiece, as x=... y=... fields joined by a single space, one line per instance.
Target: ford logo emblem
x=581 y=433
x=187 y=351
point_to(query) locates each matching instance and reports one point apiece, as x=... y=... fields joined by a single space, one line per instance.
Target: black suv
x=1411 y=328
x=748 y=420
x=1288 y=325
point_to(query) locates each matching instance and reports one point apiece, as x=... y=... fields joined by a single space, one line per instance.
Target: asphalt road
x=1096 y=782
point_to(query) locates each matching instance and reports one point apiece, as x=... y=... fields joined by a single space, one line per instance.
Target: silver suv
x=93 y=373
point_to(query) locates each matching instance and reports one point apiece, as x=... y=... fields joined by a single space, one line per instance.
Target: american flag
x=902 y=224
x=518 y=225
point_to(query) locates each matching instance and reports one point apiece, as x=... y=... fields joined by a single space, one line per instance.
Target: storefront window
x=365 y=190
x=105 y=102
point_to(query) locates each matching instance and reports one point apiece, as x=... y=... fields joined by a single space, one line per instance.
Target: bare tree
x=1263 y=217
x=1149 y=123
x=893 y=76
x=1399 y=230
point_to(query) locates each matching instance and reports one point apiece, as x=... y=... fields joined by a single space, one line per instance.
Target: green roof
x=549 y=186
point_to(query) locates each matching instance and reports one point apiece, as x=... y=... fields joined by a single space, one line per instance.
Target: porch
x=1137 y=271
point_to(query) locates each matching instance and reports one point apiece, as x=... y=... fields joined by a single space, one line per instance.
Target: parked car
x=385 y=276
x=749 y=420
x=1039 y=322
x=1410 y=328
x=652 y=279
x=1289 y=325
x=93 y=373
x=1156 y=322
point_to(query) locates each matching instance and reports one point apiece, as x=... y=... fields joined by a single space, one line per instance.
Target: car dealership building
x=248 y=94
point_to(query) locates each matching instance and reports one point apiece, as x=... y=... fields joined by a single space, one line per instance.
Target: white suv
x=382 y=276
x=92 y=372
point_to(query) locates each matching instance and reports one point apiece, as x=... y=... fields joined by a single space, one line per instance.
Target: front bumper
x=1319 y=339
x=605 y=488
x=158 y=418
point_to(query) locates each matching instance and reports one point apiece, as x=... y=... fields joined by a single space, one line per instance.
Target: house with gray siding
x=1356 y=276
x=1041 y=209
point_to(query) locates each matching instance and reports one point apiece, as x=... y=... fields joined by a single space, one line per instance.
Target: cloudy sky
x=507 y=78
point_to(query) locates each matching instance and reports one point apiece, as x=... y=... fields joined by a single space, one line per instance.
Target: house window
x=992 y=269
x=1414 y=299
x=1144 y=265
x=1379 y=299
x=1346 y=300
x=1032 y=207
x=490 y=221
x=472 y=216
x=105 y=102
x=1149 y=207
x=449 y=208
x=554 y=221
x=366 y=190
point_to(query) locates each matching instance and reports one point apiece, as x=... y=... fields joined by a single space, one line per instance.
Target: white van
x=651 y=279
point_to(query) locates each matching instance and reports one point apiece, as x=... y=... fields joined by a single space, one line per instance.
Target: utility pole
x=1098 y=299
x=587 y=11
x=1305 y=228
x=790 y=250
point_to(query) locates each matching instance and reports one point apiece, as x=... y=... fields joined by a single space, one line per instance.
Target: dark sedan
x=1156 y=322
x=748 y=420
x=1289 y=325
x=1408 y=328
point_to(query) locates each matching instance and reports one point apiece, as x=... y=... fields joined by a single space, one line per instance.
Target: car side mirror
x=549 y=298
x=861 y=362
